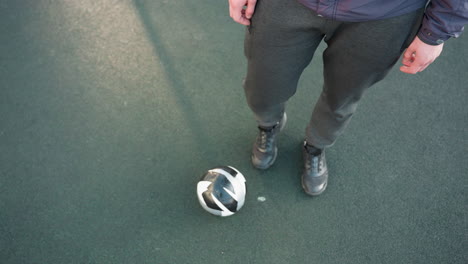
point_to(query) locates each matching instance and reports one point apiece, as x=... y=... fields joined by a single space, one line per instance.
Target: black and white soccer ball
x=221 y=191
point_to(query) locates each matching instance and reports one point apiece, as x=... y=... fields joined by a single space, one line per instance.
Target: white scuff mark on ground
x=261 y=199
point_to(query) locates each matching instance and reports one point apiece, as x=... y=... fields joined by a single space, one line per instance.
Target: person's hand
x=419 y=55
x=238 y=13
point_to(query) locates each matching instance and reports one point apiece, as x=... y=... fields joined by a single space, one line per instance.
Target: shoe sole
x=316 y=193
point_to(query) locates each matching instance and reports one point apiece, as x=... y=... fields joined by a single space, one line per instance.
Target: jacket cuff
x=428 y=37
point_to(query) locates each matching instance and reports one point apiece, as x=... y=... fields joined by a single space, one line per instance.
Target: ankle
x=311 y=149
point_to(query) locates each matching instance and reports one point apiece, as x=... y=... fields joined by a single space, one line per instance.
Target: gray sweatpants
x=280 y=43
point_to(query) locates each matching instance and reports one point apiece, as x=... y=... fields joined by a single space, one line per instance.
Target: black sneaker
x=264 y=150
x=315 y=175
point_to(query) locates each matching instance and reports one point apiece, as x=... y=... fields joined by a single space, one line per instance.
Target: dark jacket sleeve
x=443 y=19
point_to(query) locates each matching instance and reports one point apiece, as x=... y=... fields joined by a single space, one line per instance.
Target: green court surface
x=111 y=111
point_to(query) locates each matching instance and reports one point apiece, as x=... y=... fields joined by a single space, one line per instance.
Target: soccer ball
x=221 y=191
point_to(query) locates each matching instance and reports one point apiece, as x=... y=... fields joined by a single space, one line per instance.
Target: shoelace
x=314 y=162
x=265 y=138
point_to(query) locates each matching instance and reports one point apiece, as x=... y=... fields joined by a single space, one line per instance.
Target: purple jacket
x=443 y=19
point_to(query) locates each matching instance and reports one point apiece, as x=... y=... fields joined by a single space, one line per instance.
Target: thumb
x=408 y=56
x=250 y=8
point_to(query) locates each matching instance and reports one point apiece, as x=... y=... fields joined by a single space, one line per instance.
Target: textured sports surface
x=110 y=111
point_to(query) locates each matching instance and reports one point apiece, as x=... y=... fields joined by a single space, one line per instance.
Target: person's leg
x=279 y=44
x=358 y=55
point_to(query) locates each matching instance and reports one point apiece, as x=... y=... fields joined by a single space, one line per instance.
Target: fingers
x=409 y=62
x=408 y=57
x=238 y=13
x=418 y=56
x=250 y=8
x=414 y=64
x=239 y=17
